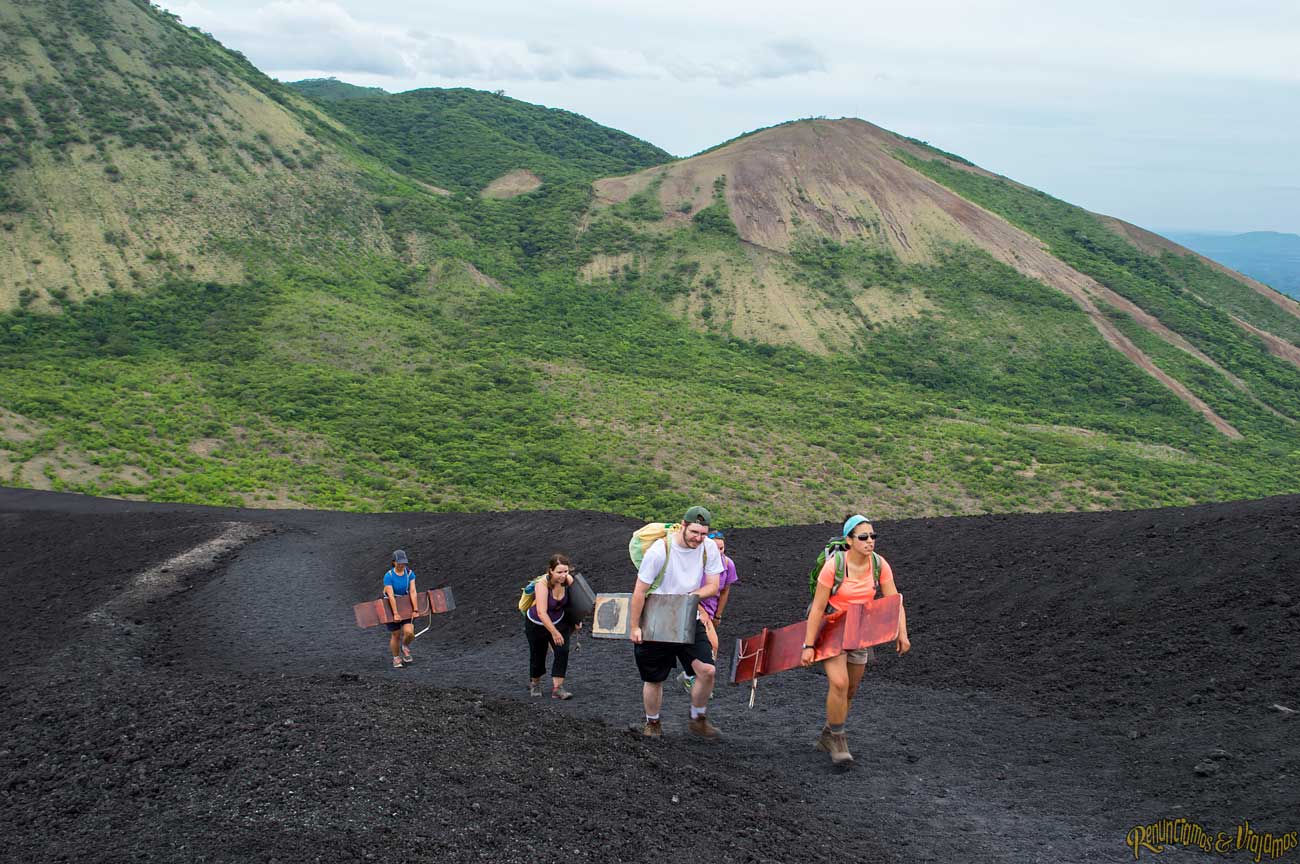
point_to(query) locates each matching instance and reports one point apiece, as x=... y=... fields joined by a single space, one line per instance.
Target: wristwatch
x=813 y=647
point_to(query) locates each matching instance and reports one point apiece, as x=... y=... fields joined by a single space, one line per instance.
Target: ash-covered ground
x=186 y=683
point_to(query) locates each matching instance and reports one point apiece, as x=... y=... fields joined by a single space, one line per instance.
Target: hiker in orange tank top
x=844 y=671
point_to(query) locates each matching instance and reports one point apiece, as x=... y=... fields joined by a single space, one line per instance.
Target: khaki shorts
x=859 y=656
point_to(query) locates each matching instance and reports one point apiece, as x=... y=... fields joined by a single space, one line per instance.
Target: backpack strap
x=875 y=575
x=668 y=551
x=841 y=570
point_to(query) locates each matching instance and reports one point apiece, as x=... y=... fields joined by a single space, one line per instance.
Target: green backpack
x=839 y=547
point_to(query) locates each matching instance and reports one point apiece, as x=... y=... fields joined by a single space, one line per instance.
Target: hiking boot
x=652 y=729
x=688 y=681
x=823 y=743
x=534 y=688
x=561 y=693
x=839 y=751
x=700 y=726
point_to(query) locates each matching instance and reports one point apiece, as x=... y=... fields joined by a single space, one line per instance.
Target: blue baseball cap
x=399 y=557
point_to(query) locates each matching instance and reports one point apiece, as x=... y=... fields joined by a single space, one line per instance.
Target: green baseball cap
x=698 y=515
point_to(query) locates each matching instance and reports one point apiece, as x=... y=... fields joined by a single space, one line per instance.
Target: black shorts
x=398 y=625
x=655 y=660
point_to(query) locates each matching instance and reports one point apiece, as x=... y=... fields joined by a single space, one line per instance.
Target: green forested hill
x=269 y=304
x=331 y=89
x=463 y=139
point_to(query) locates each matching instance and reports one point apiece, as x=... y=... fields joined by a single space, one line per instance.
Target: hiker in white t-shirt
x=689 y=558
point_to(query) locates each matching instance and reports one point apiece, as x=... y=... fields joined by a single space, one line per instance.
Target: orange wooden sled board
x=372 y=613
x=770 y=651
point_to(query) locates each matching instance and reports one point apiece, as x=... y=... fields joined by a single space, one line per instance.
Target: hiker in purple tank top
x=714 y=606
x=548 y=626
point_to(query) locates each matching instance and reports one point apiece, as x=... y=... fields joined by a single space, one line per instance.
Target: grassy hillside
x=365 y=385
x=351 y=338
x=1185 y=294
x=462 y=139
x=133 y=149
x=331 y=89
x=326 y=387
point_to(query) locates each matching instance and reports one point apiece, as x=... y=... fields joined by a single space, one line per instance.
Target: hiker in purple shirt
x=715 y=606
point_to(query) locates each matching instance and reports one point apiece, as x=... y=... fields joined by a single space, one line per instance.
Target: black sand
x=1071 y=676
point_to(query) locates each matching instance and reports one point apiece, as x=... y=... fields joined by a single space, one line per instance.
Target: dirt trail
x=1069 y=675
x=1276 y=345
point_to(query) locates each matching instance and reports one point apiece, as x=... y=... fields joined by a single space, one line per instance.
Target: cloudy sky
x=1174 y=114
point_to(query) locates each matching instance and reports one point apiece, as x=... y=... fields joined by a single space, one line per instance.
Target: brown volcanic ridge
x=840 y=178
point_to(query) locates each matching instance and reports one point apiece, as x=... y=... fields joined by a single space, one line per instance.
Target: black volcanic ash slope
x=1072 y=675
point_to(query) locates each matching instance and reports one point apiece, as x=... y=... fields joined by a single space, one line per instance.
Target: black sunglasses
x=871 y=536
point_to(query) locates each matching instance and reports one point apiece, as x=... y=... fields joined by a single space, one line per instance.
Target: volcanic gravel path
x=187 y=683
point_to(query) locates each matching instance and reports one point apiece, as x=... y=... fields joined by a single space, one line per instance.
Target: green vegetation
x=363 y=384
x=332 y=89
x=935 y=151
x=114 y=83
x=839 y=272
x=644 y=206
x=463 y=139
x=716 y=218
x=1185 y=294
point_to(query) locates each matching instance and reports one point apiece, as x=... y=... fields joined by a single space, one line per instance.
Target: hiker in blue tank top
x=399 y=581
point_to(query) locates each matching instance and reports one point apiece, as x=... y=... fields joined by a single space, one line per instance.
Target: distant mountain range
x=1269 y=256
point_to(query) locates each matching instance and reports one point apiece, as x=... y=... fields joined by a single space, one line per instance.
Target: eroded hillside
x=847 y=182
x=134 y=149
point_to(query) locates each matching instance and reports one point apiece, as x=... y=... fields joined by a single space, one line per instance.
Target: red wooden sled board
x=372 y=613
x=860 y=626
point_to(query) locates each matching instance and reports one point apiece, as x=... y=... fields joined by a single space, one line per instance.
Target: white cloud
x=784 y=58
x=1087 y=101
x=298 y=34
x=302 y=34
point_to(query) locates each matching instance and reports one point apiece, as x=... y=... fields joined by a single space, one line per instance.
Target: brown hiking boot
x=703 y=728
x=652 y=729
x=839 y=749
x=823 y=742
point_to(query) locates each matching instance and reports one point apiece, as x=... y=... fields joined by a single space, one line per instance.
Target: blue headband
x=854 y=522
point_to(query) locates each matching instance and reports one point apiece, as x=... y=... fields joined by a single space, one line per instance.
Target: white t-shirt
x=684 y=568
